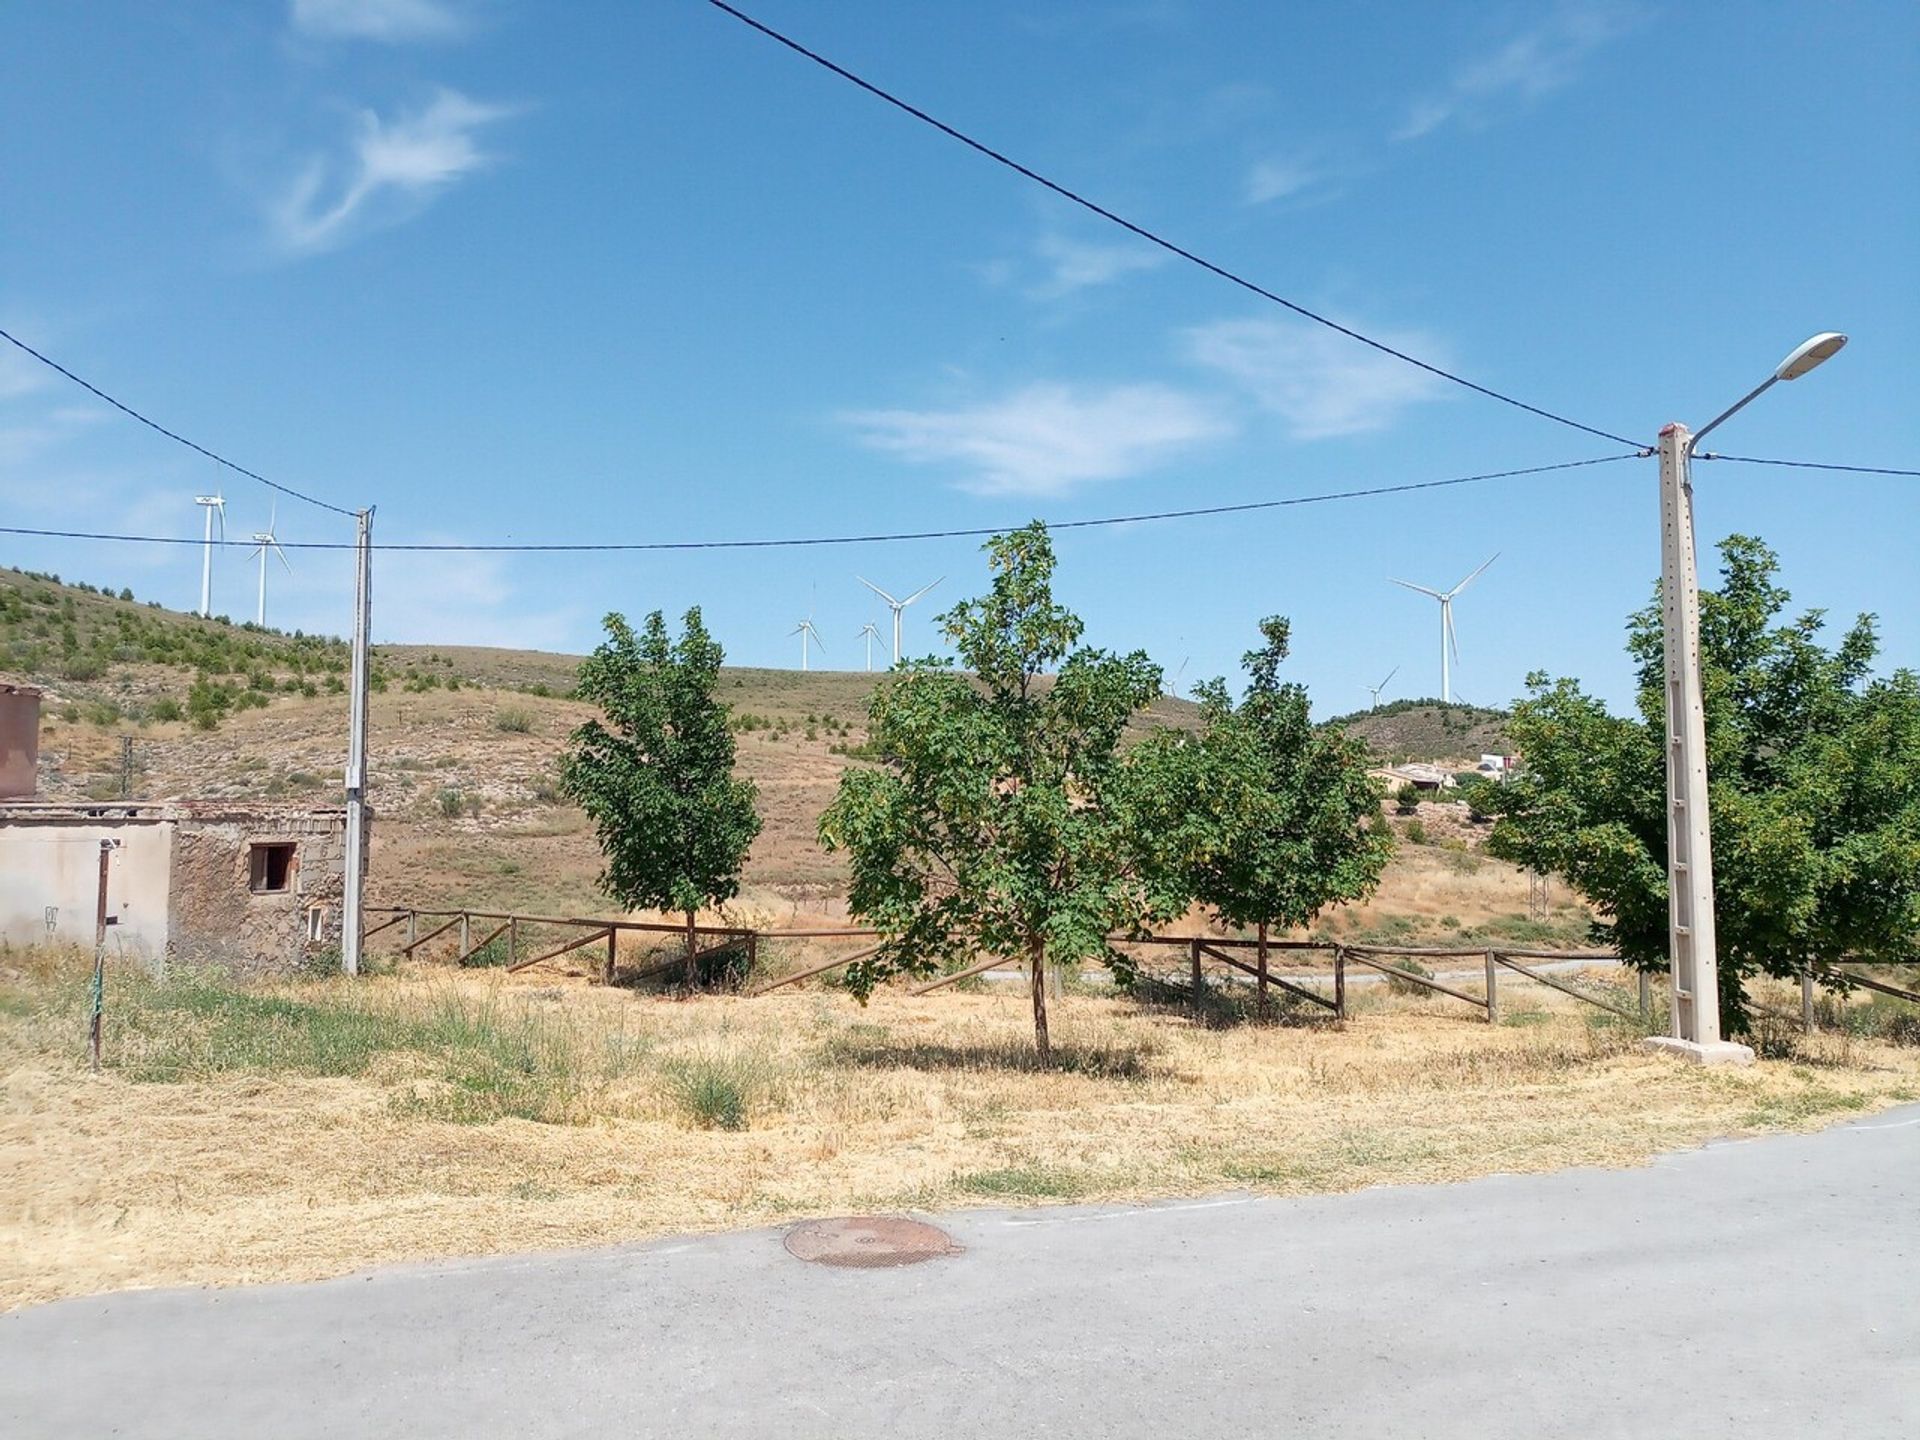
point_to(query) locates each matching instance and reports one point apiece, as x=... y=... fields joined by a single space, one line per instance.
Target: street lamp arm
x=1739 y=405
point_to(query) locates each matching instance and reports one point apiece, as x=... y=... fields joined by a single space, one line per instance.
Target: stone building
x=225 y=882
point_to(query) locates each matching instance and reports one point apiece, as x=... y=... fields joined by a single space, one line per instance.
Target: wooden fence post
x=1806 y=1000
x=1646 y=996
x=613 y=944
x=1493 y=993
x=1340 y=981
x=513 y=937
x=466 y=939
x=1262 y=977
x=1199 y=986
x=413 y=928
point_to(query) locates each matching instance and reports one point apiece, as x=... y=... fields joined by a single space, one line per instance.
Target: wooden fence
x=1244 y=961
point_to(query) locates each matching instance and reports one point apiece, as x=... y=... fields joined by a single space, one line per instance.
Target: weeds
x=718 y=1090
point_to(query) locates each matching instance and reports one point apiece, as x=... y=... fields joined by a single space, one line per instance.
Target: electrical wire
x=89 y=386
x=1148 y=235
x=1809 y=465
x=793 y=542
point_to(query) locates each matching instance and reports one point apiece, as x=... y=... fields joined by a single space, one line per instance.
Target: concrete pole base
x=1720 y=1052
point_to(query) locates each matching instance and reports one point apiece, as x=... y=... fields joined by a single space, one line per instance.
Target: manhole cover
x=869 y=1242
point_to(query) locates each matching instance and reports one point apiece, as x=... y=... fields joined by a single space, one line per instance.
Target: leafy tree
x=657 y=778
x=1813 y=777
x=1001 y=818
x=1277 y=812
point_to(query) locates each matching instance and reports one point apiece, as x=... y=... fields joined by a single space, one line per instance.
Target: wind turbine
x=265 y=540
x=1448 y=640
x=1374 y=690
x=896 y=606
x=872 y=633
x=210 y=503
x=806 y=632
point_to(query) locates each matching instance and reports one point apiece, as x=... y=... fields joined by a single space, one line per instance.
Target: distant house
x=1420 y=776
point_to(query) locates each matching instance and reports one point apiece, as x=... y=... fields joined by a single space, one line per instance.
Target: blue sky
x=631 y=271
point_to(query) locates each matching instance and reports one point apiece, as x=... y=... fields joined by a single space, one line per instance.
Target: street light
x=1694 y=967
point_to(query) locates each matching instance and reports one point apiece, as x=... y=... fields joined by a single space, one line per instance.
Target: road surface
x=1753 y=1289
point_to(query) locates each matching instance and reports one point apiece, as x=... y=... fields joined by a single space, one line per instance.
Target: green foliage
x=451 y=803
x=512 y=720
x=1407 y=798
x=1406 y=965
x=1268 y=814
x=719 y=1091
x=1002 y=817
x=1416 y=831
x=657 y=777
x=1480 y=794
x=1814 y=776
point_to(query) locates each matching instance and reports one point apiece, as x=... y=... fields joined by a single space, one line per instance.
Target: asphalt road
x=1755 y=1289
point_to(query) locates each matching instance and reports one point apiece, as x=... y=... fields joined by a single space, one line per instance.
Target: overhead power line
x=1809 y=465
x=795 y=542
x=126 y=409
x=1151 y=237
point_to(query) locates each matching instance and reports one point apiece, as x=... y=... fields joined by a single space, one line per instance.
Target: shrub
x=451 y=803
x=1416 y=831
x=1407 y=965
x=513 y=721
x=1407 y=798
x=1902 y=1029
x=166 y=708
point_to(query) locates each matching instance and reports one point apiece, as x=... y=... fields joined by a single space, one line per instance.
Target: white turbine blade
x=918 y=593
x=1421 y=588
x=795 y=631
x=877 y=590
x=1453 y=636
x=1473 y=577
x=1390 y=674
x=283 y=557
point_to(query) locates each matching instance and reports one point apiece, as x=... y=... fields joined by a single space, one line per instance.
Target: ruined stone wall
x=218 y=915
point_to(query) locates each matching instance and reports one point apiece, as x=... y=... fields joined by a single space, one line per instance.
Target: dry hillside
x=464 y=742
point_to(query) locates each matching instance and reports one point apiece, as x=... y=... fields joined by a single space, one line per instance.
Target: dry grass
x=317 y=1127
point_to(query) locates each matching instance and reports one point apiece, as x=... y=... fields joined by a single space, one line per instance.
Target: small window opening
x=316 y=924
x=271 y=866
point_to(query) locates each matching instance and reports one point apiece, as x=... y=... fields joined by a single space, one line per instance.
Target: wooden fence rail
x=1199 y=948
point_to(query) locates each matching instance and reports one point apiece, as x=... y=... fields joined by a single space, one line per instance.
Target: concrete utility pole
x=356 y=855
x=1694 y=968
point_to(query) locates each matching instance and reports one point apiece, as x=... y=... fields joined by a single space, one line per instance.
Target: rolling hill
x=465 y=740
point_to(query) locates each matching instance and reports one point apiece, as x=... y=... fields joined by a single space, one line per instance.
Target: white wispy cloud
x=393 y=169
x=1077 y=264
x=1533 y=63
x=392 y=21
x=1277 y=178
x=1319 y=382
x=1047 y=438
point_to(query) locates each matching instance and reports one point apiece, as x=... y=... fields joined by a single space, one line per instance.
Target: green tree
x=1277 y=813
x=657 y=778
x=1813 y=776
x=1001 y=820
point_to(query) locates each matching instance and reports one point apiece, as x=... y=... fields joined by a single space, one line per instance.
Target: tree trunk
x=1263 y=969
x=692 y=944
x=1037 y=974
